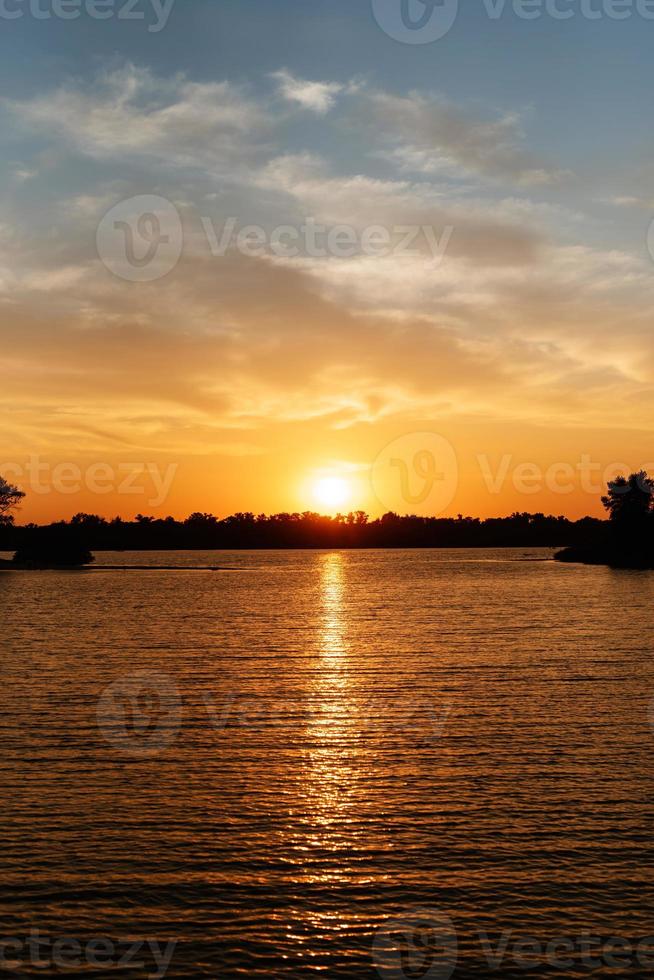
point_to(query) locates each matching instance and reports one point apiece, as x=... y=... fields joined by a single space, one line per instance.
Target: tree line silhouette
x=306 y=530
x=626 y=538
x=627 y=541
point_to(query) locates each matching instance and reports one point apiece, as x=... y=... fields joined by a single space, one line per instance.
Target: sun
x=331 y=491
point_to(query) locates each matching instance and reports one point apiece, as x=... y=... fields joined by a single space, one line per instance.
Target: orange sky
x=477 y=469
x=432 y=379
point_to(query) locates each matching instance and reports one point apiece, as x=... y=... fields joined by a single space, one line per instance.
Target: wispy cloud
x=433 y=136
x=319 y=97
x=131 y=112
x=524 y=317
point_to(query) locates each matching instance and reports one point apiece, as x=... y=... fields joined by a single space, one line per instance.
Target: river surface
x=359 y=764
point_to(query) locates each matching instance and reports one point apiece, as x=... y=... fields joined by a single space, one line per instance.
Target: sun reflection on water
x=330 y=773
x=332 y=589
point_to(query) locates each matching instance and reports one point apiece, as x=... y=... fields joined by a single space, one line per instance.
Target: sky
x=250 y=246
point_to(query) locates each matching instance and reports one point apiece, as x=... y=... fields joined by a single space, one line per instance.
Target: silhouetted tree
x=630 y=502
x=629 y=542
x=88 y=521
x=10 y=497
x=199 y=520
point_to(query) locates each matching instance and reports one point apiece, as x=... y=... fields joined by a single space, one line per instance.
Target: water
x=331 y=764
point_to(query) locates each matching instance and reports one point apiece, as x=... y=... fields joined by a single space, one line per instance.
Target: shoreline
x=610 y=559
x=10 y=566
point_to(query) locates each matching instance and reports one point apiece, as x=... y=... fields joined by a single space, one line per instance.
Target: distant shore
x=308 y=530
x=598 y=556
x=570 y=555
x=12 y=566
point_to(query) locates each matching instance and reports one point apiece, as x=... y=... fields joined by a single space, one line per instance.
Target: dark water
x=339 y=765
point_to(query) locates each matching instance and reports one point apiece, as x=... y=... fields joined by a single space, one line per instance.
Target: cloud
x=524 y=317
x=488 y=232
x=130 y=112
x=318 y=97
x=433 y=136
x=23 y=174
x=218 y=127
x=628 y=201
x=242 y=341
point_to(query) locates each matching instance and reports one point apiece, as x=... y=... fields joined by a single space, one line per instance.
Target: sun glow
x=332 y=491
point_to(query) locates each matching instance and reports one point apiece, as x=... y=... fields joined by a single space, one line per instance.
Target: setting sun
x=331 y=491
x=327 y=484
